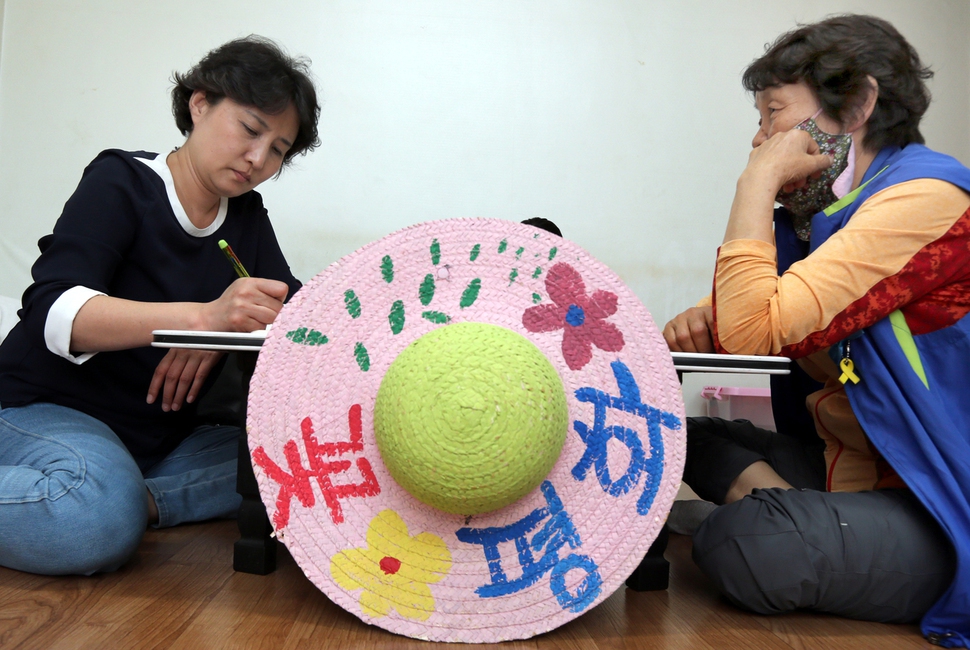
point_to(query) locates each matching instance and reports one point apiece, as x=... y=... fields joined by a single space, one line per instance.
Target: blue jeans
x=74 y=501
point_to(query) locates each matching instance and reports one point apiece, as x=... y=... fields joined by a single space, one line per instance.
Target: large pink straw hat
x=469 y=430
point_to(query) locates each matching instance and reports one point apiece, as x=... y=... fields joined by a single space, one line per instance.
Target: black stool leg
x=255 y=550
x=653 y=574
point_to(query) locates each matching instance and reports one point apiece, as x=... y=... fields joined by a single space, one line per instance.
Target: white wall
x=623 y=121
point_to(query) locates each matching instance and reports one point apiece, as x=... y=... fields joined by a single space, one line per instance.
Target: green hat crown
x=470 y=417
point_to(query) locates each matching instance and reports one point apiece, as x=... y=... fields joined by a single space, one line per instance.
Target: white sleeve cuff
x=60 y=322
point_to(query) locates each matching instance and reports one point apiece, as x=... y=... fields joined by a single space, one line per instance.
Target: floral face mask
x=834 y=183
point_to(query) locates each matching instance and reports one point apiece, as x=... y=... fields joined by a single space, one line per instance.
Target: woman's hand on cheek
x=248 y=304
x=786 y=161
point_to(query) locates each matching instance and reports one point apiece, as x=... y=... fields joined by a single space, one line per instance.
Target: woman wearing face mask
x=863 y=277
x=98 y=431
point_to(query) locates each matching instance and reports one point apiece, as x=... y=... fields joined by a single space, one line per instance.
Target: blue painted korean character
x=596 y=438
x=557 y=531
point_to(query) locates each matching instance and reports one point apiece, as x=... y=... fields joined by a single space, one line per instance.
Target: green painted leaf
x=537 y=272
x=305 y=336
x=536 y=298
x=435 y=252
x=502 y=246
x=435 y=317
x=396 y=317
x=352 y=303
x=476 y=249
x=552 y=252
x=426 y=292
x=363 y=359
x=387 y=269
x=470 y=294
x=513 y=275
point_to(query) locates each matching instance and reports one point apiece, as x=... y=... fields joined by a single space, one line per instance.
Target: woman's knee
x=74 y=499
x=97 y=533
x=117 y=527
x=874 y=555
x=93 y=528
x=753 y=551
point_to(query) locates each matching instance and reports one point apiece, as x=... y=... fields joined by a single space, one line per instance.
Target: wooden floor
x=181 y=592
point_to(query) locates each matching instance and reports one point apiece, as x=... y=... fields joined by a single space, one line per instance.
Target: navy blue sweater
x=118 y=234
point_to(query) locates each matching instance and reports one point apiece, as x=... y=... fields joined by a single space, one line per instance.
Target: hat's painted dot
x=470 y=418
x=390 y=565
x=575 y=315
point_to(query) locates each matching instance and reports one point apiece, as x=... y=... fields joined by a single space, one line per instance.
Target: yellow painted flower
x=394 y=570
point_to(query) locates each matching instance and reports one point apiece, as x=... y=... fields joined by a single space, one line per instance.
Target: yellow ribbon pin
x=848 y=371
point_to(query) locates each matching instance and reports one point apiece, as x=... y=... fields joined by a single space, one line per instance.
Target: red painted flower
x=582 y=318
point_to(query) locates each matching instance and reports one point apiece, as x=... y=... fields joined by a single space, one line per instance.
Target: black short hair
x=253 y=71
x=834 y=57
x=544 y=224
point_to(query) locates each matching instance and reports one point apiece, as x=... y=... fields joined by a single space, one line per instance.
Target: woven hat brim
x=323 y=362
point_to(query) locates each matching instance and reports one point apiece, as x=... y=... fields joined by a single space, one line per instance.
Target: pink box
x=740 y=403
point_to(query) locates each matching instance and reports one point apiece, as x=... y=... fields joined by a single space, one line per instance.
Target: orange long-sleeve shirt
x=907 y=247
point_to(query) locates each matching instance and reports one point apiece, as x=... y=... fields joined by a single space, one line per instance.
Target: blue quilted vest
x=913 y=400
